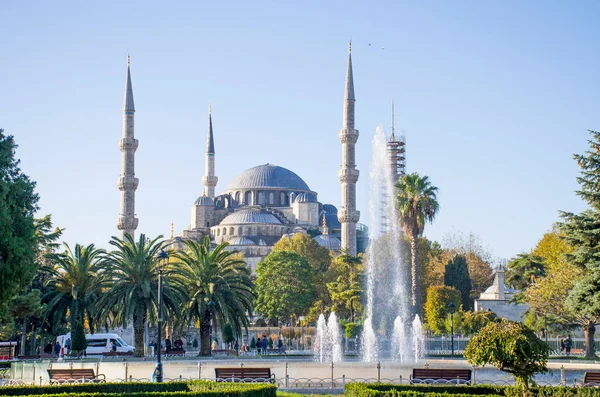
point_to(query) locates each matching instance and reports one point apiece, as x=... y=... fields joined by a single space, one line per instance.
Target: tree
x=283 y=286
x=24 y=306
x=582 y=232
x=18 y=203
x=436 y=307
x=78 y=340
x=75 y=276
x=473 y=322
x=457 y=275
x=218 y=284
x=524 y=270
x=346 y=290
x=131 y=286
x=319 y=259
x=478 y=258
x=417 y=204
x=228 y=335
x=511 y=347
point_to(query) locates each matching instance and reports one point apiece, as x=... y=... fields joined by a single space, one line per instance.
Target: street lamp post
x=162 y=257
x=452 y=307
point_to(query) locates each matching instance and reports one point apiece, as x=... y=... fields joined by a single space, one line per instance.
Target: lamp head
x=451 y=306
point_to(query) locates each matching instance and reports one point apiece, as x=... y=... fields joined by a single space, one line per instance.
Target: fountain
x=388 y=311
x=328 y=345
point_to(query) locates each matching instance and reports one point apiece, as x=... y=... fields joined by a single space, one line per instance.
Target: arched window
x=271 y=198
x=261 y=198
x=231 y=231
x=218 y=232
x=247 y=198
x=224 y=231
x=237 y=197
x=239 y=231
x=282 y=199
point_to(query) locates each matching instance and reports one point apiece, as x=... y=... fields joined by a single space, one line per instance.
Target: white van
x=98 y=343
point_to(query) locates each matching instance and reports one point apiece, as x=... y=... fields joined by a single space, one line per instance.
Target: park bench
x=223 y=352
x=444 y=376
x=175 y=352
x=242 y=374
x=29 y=357
x=576 y=351
x=591 y=379
x=75 y=375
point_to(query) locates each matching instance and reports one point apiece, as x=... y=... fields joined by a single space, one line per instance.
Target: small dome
x=330 y=208
x=328 y=241
x=250 y=216
x=305 y=198
x=241 y=241
x=204 y=201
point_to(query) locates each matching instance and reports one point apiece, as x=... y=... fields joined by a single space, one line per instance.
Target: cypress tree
x=456 y=274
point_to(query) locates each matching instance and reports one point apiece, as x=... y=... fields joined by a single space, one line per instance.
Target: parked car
x=98 y=343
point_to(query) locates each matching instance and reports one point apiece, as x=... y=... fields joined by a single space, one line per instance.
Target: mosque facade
x=263 y=204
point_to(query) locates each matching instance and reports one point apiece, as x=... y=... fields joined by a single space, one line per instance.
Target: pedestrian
x=259 y=345
x=279 y=345
x=236 y=346
x=152 y=345
x=57 y=349
x=568 y=344
x=68 y=346
x=562 y=345
x=264 y=344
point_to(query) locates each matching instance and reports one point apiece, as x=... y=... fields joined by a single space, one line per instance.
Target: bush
x=183 y=389
x=387 y=390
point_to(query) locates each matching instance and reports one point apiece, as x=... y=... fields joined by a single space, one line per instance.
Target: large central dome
x=268 y=176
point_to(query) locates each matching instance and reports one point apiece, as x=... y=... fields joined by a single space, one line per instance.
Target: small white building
x=497 y=298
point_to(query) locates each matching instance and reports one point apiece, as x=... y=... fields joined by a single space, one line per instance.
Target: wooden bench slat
x=74 y=374
x=591 y=377
x=243 y=373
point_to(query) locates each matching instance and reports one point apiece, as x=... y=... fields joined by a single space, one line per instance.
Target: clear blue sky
x=495 y=97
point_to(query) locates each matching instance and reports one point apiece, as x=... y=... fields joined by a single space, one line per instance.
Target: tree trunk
x=414 y=241
x=23 y=336
x=589 y=331
x=205 y=334
x=33 y=340
x=138 y=334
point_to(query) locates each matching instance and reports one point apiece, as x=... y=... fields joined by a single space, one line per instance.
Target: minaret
x=396 y=152
x=348 y=215
x=128 y=183
x=209 y=179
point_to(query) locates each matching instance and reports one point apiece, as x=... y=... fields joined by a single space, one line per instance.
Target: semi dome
x=305 y=198
x=250 y=216
x=204 y=201
x=330 y=242
x=330 y=208
x=240 y=241
x=268 y=176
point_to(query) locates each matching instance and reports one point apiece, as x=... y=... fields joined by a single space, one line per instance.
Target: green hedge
x=387 y=390
x=182 y=389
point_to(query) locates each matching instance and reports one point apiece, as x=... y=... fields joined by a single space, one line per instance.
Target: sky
x=494 y=97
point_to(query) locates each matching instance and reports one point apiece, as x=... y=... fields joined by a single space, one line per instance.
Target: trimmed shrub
x=183 y=389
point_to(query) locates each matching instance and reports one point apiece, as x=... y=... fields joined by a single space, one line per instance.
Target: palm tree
x=131 y=286
x=75 y=282
x=416 y=200
x=219 y=284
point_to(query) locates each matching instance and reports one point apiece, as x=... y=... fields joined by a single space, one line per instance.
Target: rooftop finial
x=128 y=59
x=209 y=108
x=325 y=228
x=349 y=46
x=393 y=137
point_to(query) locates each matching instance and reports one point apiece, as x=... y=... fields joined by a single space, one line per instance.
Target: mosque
x=262 y=204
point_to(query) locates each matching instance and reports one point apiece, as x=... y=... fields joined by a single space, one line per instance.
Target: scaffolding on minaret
x=396 y=149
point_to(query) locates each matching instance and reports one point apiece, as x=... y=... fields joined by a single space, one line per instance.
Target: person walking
x=57 y=349
x=568 y=344
x=279 y=345
x=264 y=344
x=259 y=345
x=68 y=346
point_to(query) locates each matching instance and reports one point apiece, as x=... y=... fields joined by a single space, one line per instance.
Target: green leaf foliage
x=523 y=270
x=511 y=347
x=473 y=322
x=284 y=286
x=134 y=389
x=18 y=203
x=456 y=275
x=436 y=307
